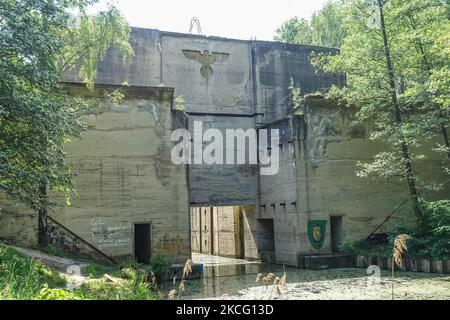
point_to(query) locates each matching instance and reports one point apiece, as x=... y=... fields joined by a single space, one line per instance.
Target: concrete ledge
x=409 y=264
x=267 y=256
x=326 y=261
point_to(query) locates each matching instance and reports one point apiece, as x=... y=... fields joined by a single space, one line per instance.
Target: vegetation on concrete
x=59 y=252
x=179 y=103
x=131 y=281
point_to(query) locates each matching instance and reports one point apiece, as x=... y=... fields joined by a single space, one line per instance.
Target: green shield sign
x=316 y=233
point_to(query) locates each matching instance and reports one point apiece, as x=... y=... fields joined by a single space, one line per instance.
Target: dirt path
x=58 y=263
x=69 y=269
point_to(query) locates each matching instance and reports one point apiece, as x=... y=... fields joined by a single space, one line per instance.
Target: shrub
x=128 y=273
x=59 y=294
x=430 y=238
x=132 y=264
x=137 y=289
x=361 y=247
x=160 y=265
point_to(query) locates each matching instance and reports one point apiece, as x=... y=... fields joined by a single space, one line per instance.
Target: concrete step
x=58 y=263
x=326 y=261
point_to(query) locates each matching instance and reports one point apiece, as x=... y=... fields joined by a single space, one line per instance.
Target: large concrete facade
x=125 y=175
x=248 y=89
x=125 y=178
x=317 y=181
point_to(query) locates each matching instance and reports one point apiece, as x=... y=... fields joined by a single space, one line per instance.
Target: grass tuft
x=22 y=277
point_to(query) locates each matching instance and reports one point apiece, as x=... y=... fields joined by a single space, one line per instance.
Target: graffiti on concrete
x=111 y=234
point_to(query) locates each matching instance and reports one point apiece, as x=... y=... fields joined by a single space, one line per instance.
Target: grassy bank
x=25 y=278
x=22 y=277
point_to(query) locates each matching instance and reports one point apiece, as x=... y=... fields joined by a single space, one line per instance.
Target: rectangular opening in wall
x=337 y=232
x=266 y=235
x=142 y=242
x=226 y=231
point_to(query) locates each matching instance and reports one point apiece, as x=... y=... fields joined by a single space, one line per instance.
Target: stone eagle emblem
x=207 y=59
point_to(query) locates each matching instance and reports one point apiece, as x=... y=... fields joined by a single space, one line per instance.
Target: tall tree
x=295 y=30
x=327 y=25
x=38 y=42
x=396 y=108
x=378 y=62
x=424 y=27
x=326 y=28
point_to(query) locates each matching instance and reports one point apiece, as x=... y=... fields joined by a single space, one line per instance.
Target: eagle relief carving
x=207 y=59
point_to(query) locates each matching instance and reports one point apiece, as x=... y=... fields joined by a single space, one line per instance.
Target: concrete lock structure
x=134 y=202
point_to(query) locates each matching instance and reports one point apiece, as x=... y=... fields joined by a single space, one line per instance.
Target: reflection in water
x=227 y=279
x=220 y=279
x=230 y=276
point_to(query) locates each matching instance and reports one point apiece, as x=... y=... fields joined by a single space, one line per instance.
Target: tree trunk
x=398 y=117
x=445 y=134
x=42 y=216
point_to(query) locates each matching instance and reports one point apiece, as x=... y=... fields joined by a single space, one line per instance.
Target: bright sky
x=240 y=19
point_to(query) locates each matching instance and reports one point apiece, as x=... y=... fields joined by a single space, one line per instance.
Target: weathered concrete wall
x=249 y=230
x=278 y=195
x=252 y=78
x=274 y=64
x=144 y=70
x=223 y=184
x=317 y=180
x=63 y=238
x=227 y=92
x=18 y=223
x=125 y=176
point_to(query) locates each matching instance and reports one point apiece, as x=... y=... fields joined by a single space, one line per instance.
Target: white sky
x=240 y=19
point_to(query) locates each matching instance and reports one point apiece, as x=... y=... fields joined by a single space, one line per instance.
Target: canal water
x=227 y=276
x=237 y=279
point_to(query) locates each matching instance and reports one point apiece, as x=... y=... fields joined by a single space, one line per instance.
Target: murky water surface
x=237 y=279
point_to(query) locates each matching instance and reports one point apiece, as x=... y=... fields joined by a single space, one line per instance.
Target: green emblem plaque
x=316 y=233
